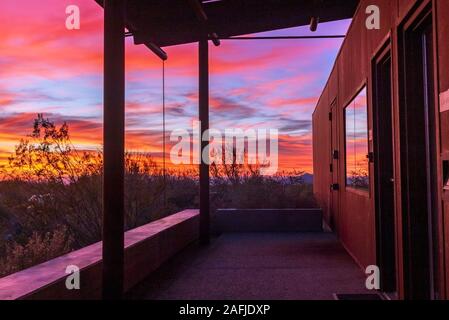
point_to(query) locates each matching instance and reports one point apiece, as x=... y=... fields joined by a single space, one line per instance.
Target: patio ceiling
x=173 y=22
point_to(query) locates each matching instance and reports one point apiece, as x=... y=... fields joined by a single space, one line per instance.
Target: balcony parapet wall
x=146 y=249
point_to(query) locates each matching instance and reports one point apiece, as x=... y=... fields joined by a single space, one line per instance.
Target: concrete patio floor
x=257 y=266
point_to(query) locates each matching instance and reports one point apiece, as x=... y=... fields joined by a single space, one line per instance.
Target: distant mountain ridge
x=307 y=178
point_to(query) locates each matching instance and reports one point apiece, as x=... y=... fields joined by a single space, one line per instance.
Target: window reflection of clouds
x=356 y=132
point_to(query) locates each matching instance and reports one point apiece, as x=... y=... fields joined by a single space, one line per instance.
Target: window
x=356 y=132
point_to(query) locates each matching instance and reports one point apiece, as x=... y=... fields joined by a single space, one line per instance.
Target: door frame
x=335 y=186
x=421 y=14
x=386 y=244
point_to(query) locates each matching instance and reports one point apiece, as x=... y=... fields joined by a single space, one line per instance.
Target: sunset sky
x=45 y=68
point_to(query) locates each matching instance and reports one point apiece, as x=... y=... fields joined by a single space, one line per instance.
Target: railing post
x=203 y=55
x=114 y=146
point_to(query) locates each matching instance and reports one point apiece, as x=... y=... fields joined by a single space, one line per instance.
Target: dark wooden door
x=418 y=158
x=384 y=171
x=334 y=165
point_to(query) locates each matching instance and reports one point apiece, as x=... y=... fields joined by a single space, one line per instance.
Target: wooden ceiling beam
x=204 y=21
x=167 y=23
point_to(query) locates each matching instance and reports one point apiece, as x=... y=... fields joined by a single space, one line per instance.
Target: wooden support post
x=203 y=55
x=114 y=147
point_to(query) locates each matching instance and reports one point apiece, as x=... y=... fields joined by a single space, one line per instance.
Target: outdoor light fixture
x=315 y=14
x=215 y=39
x=150 y=45
x=314 y=23
x=157 y=51
x=204 y=21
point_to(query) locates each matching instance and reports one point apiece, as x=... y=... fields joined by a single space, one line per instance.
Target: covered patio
x=257 y=266
x=272 y=258
x=164 y=261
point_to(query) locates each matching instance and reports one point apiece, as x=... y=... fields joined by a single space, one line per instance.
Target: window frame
x=363 y=192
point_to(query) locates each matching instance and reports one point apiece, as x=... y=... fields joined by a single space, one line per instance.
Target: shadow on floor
x=257 y=266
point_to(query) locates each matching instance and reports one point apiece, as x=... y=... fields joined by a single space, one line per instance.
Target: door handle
x=335 y=187
x=446 y=174
x=335 y=155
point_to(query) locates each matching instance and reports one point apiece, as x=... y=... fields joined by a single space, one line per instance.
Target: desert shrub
x=39 y=248
x=257 y=192
x=48 y=183
x=51 y=194
x=243 y=186
x=359 y=178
